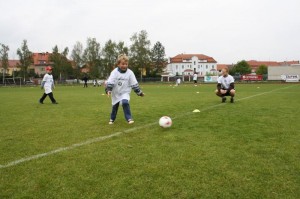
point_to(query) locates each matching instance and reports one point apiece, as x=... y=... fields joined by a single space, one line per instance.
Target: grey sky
x=228 y=30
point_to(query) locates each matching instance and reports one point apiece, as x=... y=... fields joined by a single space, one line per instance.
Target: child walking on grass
x=48 y=85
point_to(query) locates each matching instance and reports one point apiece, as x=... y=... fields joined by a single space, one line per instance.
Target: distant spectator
x=178 y=81
x=85 y=79
x=195 y=77
x=99 y=82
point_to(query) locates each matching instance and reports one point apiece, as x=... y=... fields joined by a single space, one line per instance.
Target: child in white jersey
x=119 y=85
x=48 y=85
x=225 y=86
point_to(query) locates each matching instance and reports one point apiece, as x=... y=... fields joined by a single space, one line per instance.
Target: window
x=182 y=66
x=176 y=67
x=194 y=62
x=206 y=66
x=213 y=67
x=198 y=67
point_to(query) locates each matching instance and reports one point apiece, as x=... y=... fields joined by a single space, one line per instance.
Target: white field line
x=99 y=139
x=221 y=104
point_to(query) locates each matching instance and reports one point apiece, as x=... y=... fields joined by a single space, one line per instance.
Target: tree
x=262 y=70
x=242 y=67
x=25 y=57
x=121 y=48
x=62 y=68
x=4 y=59
x=110 y=55
x=158 y=57
x=92 y=56
x=77 y=57
x=140 y=52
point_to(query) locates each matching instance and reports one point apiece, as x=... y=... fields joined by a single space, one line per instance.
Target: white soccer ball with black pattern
x=165 y=122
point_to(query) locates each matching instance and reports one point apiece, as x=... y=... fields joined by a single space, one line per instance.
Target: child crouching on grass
x=119 y=85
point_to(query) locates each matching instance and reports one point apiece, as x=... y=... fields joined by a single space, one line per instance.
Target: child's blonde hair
x=121 y=57
x=226 y=69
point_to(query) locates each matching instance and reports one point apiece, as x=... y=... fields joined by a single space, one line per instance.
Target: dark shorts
x=227 y=93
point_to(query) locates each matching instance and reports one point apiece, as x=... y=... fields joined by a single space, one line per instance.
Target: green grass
x=249 y=149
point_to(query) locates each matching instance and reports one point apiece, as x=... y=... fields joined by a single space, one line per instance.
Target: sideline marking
x=99 y=139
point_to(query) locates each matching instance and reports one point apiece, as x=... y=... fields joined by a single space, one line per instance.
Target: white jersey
x=122 y=84
x=48 y=79
x=225 y=81
x=195 y=77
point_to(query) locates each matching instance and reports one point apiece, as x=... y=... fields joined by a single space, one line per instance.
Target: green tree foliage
x=77 y=57
x=157 y=58
x=25 y=57
x=4 y=59
x=140 y=52
x=242 y=68
x=121 y=48
x=262 y=70
x=62 y=67
x=92 y=57
x=110 y=53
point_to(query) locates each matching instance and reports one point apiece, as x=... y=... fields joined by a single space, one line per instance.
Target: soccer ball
x=165 y=122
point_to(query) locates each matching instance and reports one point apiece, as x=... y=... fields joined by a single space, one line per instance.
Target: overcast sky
x=227 y=30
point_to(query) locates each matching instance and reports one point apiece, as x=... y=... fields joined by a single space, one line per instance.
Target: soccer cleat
x=111 y=122
x=232 y=100
x=130 y=121
x=223 y=99
x=41 y=102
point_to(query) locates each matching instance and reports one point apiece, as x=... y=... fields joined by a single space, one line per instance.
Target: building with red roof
x=255 y=64
x=187 y=64
x=12 y=67
x=40 y=62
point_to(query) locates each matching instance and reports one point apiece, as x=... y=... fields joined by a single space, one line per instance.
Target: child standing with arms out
x=119 y=85
x=48 y=85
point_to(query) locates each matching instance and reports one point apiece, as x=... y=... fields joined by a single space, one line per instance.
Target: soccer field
x=249 y=149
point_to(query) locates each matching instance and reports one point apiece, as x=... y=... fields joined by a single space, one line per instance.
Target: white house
x=187 y=64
